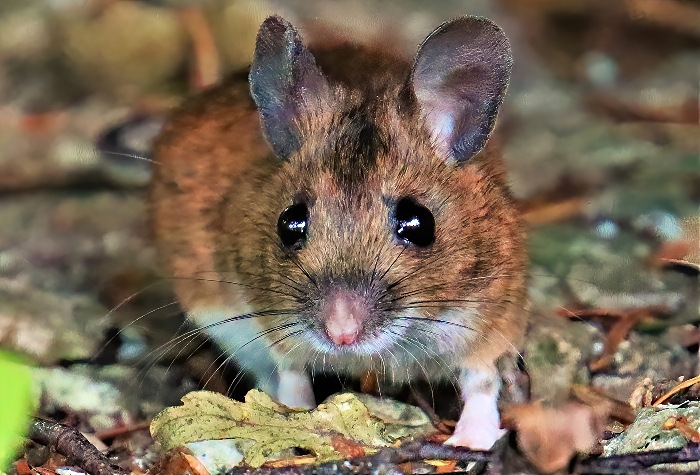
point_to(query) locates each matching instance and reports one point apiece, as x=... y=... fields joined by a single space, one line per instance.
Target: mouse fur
x=347 y=133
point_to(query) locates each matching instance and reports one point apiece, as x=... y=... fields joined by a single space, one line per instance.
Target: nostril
x=342 y=339
x=344 y=316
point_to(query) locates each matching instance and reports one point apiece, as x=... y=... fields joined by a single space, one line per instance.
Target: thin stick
x=680 y=387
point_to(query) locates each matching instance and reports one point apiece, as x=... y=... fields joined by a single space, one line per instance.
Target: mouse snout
x=343 y=316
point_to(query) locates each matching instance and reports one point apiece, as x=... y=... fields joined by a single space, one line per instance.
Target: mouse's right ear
x=286 y=84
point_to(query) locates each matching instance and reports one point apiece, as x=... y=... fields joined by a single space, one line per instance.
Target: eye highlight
x=414 y=223
x=292 y=226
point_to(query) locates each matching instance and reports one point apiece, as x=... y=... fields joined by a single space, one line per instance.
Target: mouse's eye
x=292 y=225
x=414 y=223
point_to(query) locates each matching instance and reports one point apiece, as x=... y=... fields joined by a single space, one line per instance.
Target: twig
x=70 y=442
x=680 y=16
x=638 y=462
x=621 y=111
x=430 y=412
x=384 y=461
x=685 y=384
x=555 y=212
x=618 y=324
x=388 y=461
x=108 y=434
x=206 y=68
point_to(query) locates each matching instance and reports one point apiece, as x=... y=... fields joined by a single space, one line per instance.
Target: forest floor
x=599 y=131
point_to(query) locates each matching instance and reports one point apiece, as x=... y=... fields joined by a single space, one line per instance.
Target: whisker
x=190 y=334
x=426 y=265
x=128 y=155
x=438 y=359
x=408 y=374
x=446 y=322
x=221 y=281
x=257 y=337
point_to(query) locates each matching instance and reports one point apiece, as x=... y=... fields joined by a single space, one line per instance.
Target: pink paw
x=477 y=437
x=479 y=425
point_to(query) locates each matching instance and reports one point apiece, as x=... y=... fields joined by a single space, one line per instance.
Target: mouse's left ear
x=459 y=78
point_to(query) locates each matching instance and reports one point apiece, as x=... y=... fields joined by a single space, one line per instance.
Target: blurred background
x=599 y=130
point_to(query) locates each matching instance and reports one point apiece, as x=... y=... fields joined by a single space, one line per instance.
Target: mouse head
x=383 y=213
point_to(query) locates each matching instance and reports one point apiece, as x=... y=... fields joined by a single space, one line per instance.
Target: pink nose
x=343 y=339
x=345 y=314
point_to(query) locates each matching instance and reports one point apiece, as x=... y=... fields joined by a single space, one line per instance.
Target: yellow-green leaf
x=269 y=427
x=15 y=405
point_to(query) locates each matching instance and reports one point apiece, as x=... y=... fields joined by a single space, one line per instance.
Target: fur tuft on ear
x=285 y=83
x=459 y=78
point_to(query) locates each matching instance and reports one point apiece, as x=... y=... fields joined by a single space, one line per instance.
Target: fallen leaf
x=267 y=428
x=682 y=424
x=684 y=254
x=368 y=382
x=643 y=394
x=22 y=467
x=176 y=462
x=619 y=410
x=549 y=437
x=669 y=424
x=346 y=447
x=195 y=465
x=16 y=401
x=443 y=466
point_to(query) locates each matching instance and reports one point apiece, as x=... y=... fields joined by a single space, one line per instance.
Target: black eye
x=293 y=225
x=414 y=223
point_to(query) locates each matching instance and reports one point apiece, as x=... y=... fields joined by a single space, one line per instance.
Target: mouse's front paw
x=478 y=436
x=479 y=425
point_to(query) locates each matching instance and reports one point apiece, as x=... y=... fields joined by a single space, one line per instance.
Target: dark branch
x=384 y=461
x=70 y=442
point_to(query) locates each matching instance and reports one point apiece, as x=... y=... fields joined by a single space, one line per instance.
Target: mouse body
x=339 y=210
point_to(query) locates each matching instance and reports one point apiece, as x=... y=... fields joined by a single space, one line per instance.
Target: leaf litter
x=267 y=429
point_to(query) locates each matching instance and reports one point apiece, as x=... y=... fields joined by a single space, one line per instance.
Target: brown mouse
x=340 y=211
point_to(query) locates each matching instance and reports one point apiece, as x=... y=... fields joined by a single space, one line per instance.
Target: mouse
x=341 y=208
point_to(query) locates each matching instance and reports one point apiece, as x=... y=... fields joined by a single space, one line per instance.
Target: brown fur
x=218 y=192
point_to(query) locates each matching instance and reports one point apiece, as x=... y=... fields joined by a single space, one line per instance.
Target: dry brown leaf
x=22 y=467
x=682 y=424
x=619 y=410
x=549 y=437
x=179 y=461
x=684 y=253
x=643 y=394
x=443 y=466
x=346 y=447
x=196 y=466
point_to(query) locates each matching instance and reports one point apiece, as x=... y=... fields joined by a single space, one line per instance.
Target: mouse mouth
x=376 y=342
x=347 y=330
x=344 y=316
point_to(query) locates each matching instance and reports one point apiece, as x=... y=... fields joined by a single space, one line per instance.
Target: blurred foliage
x=16 y=405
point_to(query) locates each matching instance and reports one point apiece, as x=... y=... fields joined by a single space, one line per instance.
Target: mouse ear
x=459 y=78
x=285 y=83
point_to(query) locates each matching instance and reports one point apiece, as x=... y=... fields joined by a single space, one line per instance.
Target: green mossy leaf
x=273 y=427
